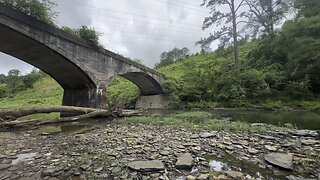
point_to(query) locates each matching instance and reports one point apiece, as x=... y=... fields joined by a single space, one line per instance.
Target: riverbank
x=115 y=150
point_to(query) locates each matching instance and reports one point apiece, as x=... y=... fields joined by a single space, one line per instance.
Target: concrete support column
x=152 y=102
x=83 y=97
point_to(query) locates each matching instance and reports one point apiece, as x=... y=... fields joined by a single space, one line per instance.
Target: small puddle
x=23 y=157
x=216 y=166
x=228 y=162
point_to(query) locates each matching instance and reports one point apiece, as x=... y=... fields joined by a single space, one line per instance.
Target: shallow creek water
x=298 y=119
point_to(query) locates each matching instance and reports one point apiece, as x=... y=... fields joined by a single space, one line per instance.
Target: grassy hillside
x=45 y=91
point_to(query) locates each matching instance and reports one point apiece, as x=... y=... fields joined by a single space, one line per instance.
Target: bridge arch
x=65 y=72
x=146 y=83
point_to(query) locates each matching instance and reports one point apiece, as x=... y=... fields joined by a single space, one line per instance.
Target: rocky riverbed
x=146 y=152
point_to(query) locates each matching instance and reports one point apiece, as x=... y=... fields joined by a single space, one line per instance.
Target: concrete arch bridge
x=82 y=69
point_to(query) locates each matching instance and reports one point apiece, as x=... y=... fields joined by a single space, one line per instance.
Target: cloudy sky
x=134 y=28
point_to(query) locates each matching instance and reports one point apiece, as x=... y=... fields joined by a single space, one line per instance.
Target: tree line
x=15 y=82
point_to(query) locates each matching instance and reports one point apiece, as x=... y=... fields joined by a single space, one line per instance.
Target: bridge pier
x=84 y=97
x=153 y=102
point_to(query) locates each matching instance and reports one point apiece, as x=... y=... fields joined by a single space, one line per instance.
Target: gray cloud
x=136 y=29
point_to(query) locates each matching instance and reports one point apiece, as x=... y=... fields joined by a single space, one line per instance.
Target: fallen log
x=98 y=113
x=13 y=114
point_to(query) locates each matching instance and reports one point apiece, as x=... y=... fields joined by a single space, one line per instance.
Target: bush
x=253 y=84
x=299 y=89
x=4 y=90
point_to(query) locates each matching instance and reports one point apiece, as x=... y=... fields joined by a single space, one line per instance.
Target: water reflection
x=300 y=119
x=216 y=165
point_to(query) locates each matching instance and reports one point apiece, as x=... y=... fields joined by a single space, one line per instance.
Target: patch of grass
x=269 y=104
x=195 y=120
x=203 y=105
x=193 y=114
x=46 y=91
x=41 y=116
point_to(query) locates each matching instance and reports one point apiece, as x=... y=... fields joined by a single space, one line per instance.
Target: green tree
x=29 y=79
x=307 y=8
x=225 y=14
x=264 y=15
x=172 y=56
x=89 y=34
x=303 y=48
x=3 y=78
x=3 y=90
x=40 y=9
x=14 y=80
x=85 y=33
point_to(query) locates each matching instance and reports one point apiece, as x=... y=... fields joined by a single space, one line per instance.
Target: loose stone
x=190 y=177
x=309 y=133
x=4 y=166
x=184 y=161
x=208 y=134
x=280 y=160
x=309 y=142
x=144 y=166
x=270 y=148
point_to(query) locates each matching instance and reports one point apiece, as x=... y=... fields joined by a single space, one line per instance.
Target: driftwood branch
x=13 y=114
x=89 y=113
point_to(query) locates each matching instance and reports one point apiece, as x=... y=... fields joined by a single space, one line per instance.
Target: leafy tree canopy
x=172 y=56
x=40 y=9
x=307 y=8
x=86 y=33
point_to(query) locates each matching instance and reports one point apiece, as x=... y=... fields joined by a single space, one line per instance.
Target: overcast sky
x=134 y=28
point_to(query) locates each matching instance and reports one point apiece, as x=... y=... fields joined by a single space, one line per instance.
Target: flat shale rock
x=184 y=161
x=280 y=160
x=146 y=166
x=4 y=166
x=308 y=133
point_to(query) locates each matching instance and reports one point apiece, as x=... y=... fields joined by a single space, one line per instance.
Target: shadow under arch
x=78 y=87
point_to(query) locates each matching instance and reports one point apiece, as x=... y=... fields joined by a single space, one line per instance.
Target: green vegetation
x=85 y=33
x=44 y=92
x=172 y=56
x=43 y=11
x=123 y=89
x=15 y=82
x=40 y=9
x=196 y=120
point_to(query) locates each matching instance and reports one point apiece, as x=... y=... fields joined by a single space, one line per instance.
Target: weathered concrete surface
x=152 y=102
x=82 y=69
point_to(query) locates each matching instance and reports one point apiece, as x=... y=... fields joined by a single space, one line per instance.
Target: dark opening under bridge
x=82 y=69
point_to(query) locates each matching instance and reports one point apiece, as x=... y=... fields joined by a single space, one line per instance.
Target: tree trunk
x=98 y=113
x=235 y=38
x=13 y=114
